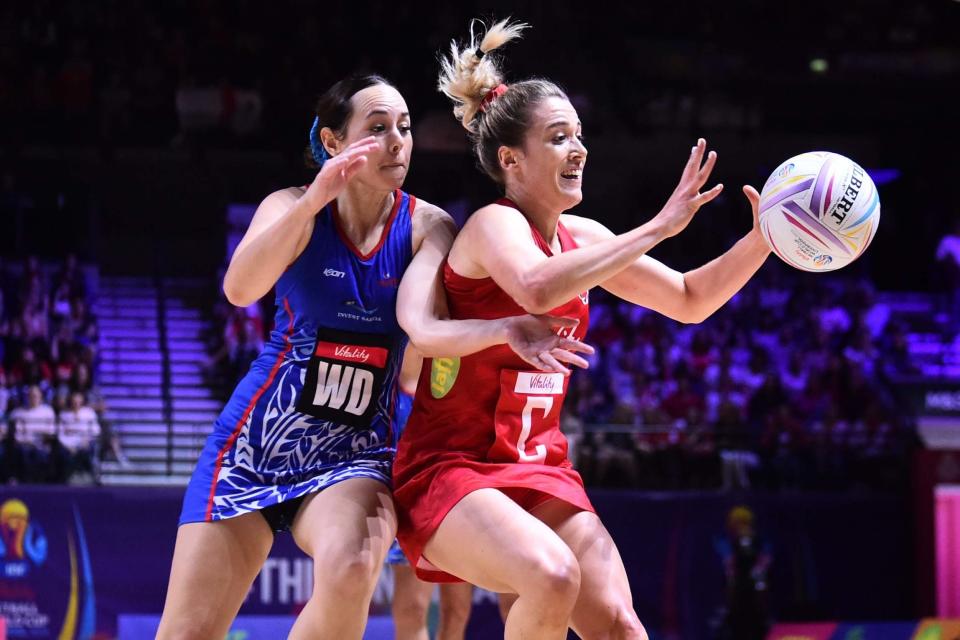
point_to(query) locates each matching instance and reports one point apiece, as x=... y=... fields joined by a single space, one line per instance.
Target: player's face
x=551 y=163
x=381 y=111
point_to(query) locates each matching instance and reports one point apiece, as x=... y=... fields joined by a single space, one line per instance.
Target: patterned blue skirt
x=262 y=451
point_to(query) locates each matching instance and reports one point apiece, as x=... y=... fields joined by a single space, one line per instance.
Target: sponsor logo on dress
x=387 y=280
x=539 y=383
x=443 y=373
x=333 y=273
x=365 y=315
x=375 y=356
x=356 y=353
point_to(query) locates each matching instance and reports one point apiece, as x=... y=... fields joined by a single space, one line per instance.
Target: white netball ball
x=819 y=211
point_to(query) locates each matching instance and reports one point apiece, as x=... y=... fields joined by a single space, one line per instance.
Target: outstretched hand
x=754 y=198
x=338 y=170
x=686 y=199
x=534 y=339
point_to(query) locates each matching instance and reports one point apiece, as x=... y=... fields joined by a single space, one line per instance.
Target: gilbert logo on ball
x=819 y=211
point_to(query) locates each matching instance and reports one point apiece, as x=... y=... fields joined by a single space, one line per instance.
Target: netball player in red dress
x=484 y=489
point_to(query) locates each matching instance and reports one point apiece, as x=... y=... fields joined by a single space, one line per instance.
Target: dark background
x=95 y=157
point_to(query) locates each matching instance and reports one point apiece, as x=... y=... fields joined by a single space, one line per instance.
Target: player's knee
x=350 y=573
x=557 y=576
x=409 y=613
x=629 y=626
x=625 y=625
x=454 y=611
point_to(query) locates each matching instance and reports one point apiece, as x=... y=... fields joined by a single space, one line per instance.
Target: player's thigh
x=214 y=564
x=347 y=529
x=488 y=540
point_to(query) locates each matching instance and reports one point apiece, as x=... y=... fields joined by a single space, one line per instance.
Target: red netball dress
x=484 y=421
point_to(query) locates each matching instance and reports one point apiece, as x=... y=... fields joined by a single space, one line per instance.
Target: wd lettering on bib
x=334 y=388
x=345 y=377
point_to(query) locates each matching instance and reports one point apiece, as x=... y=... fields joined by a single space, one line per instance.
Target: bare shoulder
x=282 y=197
x=425 y=213
x=272 y=208
x=494 y=217
x=427 y=218
x=585 y=230
x=276 y=204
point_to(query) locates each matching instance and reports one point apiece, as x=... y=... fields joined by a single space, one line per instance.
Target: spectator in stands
x=766 y=400
x=861 y=353
x=684 y=406
x=34 y=428
x=83 y=326
x=79 y=435
x=896 y=352
x=71 y=280
x=247 y=343
x=60 y=303
x=81 y=383
x=834 y=317
x=29 y=370
x=35 y=319
x=794 y=375
x=109 y=441
x=948 y=257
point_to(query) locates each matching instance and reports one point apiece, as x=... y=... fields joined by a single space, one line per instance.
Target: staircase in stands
x=150 y=373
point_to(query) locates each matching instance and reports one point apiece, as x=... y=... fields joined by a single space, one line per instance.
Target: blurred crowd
x=788 y=386
x=50 y=408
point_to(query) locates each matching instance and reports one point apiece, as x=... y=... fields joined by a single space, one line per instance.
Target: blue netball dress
x=317 y=406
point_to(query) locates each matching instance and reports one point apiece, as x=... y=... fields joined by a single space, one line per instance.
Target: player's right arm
x=282 y=224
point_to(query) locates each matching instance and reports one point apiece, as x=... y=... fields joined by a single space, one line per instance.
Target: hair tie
x=492 y=95
x=479 y=53
x=319 y=152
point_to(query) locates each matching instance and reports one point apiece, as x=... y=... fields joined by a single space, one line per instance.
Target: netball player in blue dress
x=306 y=441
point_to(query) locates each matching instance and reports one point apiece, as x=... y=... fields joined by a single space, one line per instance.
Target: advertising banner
x=74 y=562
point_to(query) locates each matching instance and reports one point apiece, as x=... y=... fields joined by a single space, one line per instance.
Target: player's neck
x=542 y=217
x=363 y=211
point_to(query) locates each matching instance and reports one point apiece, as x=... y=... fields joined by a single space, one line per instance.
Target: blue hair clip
x=320 y=154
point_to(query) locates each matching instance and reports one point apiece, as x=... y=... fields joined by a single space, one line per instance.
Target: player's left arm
x=689 y=297
x=422 y=308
